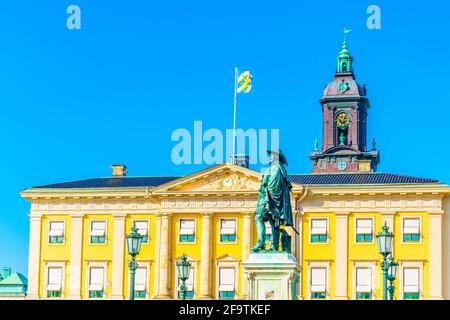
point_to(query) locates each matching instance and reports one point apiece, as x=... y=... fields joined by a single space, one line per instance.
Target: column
x=157 y=244
x=299 y=253
x=246 y=245
x=76 y=245
x=164 y=258
x=341 y=255
x=435 y=234
x=34 y=256
x=205 y=262
x=118 y=258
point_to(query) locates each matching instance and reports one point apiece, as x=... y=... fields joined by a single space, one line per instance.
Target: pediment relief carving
x=221 y=181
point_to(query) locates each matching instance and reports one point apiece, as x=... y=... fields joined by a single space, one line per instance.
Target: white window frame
x=365 y=264
x=356 y=229
x=106 y=232
x=411 y=264
x=194 y=266
x=142 y=264
x=319 y=264
x=55 y=264
x=148 y=228
x=96 y=264
x=235 y=230
x=420 y=229
x=310 y=230
x=64 y=232
x=179 y=229
x=227 y=262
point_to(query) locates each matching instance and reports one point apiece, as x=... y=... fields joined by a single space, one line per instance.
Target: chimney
x=6 y=272
x=240 y=160
x=119 y=170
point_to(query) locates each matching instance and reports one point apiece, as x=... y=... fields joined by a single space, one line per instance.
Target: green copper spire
x=345 y=60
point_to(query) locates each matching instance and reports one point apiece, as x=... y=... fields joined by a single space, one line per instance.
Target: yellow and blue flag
x=244 y=82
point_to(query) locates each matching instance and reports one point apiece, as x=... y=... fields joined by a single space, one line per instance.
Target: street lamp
x=134 y=240
x=392 y=274
x=385 y=240
x=184 y=268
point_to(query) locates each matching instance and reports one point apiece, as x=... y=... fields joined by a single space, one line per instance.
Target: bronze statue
x=274 y=201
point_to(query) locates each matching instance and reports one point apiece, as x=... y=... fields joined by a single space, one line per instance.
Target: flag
x=244 y=82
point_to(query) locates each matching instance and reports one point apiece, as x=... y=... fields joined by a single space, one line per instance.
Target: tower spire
x=344 y=59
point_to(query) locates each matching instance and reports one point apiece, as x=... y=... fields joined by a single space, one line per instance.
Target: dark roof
x=304 y=179
x=356 y=178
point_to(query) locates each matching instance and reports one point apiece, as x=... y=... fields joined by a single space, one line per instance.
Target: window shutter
x=54 y=278
x=411 y=225
x=411 y=280
x=141 y=279
x=318 y=279
x=226 y=279
x=187 y=227
x=142 y=227
x=96 y=278
x=228 y=226
x=364 y=226
x=319 y=226
x=363 y=279
x=98 y=228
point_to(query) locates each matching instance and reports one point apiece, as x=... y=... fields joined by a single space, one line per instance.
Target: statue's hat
x=276 y=151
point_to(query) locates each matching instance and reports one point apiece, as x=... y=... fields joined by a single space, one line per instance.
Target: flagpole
x=234 y=119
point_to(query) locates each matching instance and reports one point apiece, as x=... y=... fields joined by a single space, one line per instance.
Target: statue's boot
x=258 y=247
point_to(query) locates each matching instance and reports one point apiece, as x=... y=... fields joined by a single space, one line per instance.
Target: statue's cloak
x=274 y=196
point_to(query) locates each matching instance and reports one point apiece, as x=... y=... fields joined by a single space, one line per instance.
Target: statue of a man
x=274 y=201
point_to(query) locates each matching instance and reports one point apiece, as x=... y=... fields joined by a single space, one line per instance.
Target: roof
x=15 y=279
x=304 y=179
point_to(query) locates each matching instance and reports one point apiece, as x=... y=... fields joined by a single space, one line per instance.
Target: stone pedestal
x=272 y=276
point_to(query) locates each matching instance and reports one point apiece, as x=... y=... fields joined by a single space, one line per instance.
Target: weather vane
x=346 y=31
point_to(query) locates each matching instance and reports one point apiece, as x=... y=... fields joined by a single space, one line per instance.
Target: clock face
x=342 y=120
x=342 y=165
x=227 y=182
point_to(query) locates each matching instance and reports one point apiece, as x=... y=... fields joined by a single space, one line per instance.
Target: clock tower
x=344 y=126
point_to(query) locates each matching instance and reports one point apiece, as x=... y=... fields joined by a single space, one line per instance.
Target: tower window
x=344 y=66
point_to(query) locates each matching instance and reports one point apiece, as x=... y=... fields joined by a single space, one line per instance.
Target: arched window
x=344 y=66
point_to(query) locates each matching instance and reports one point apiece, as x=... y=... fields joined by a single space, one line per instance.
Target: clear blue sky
x=74 y=102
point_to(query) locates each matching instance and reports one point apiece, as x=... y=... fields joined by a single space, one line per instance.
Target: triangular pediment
x=223 y=177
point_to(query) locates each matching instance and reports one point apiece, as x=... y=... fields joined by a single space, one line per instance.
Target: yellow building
x=77 y=232
x=77 y=229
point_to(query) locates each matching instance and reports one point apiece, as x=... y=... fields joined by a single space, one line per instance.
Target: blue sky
x=75 y=101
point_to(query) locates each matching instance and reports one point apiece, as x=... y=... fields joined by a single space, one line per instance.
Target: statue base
x=272 y=276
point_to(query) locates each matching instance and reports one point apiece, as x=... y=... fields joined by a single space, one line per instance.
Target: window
x=98 y=231
x=411 y=281
x=142 y=227
x=227 y=230
x=319 y=230
x=187 y=230
x=364 y=283
x=269 y=236
x=364 y=230
x=56 y=232
x=96 y=281
x=411 y=230
x=140 y=285
x=318 y=283
x=344 y=66
x=189 y=286
x=226 y=283
x=54 y=282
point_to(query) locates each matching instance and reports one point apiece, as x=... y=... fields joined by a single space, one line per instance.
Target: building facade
x=77 y=229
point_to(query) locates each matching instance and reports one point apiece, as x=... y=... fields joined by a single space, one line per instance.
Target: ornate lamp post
x=392 y=274
x=184 y=268
x=385 y=240
x=134 y=240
